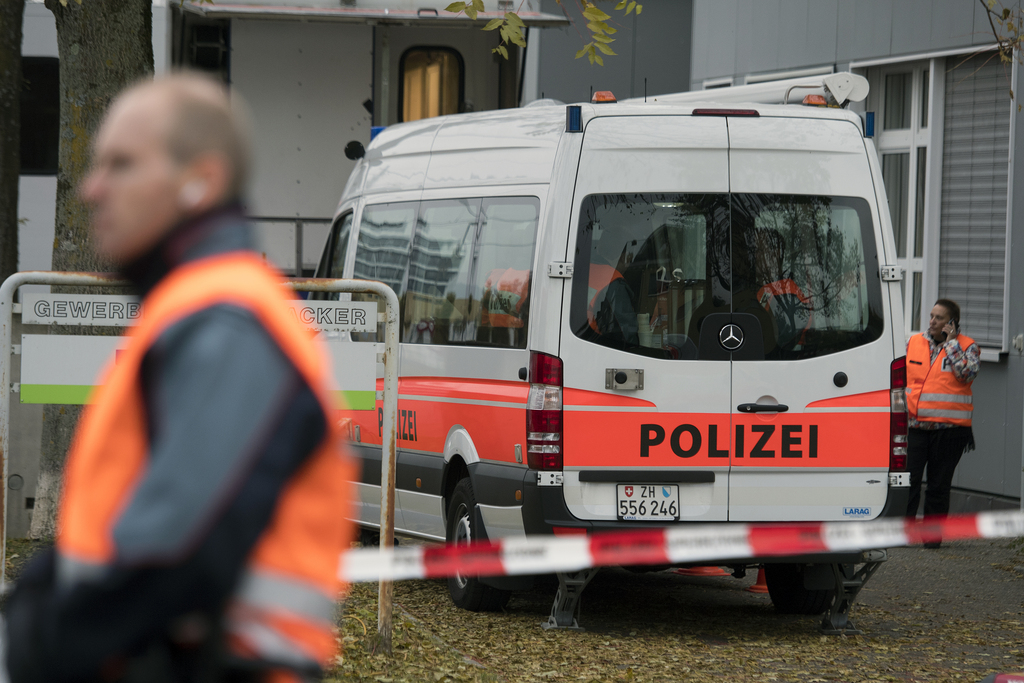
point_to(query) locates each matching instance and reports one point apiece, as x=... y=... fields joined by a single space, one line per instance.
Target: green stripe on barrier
x=359 y=400
x=69 y=394
x=75 y=394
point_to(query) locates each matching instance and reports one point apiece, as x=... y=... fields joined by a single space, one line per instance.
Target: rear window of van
x=650 y=268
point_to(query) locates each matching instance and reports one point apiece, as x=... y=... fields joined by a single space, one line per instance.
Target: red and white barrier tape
x=673 y=545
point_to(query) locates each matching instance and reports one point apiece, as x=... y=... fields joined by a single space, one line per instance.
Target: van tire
x=468 y=592
x=788 y=594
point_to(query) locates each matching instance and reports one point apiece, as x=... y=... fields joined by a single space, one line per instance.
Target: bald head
x=169 y=149
x=197 y=119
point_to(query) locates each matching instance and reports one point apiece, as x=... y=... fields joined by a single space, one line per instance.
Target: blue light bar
x=869 y=124
x=374 y=130
x=573 y=119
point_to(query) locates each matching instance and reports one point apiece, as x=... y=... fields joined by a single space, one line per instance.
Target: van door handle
x=761 y=408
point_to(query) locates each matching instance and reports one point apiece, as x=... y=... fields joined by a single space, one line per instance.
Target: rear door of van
x=811 y=407
x=646 y=401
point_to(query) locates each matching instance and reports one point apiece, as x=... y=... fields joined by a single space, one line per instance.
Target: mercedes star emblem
x=731 y=337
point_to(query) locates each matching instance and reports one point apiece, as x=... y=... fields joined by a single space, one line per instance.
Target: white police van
x=619 y=315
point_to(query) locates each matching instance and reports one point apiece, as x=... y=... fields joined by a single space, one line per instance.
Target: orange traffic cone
x=702 y=571
x=759 y=586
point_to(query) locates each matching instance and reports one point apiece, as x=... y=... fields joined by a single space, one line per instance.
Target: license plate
x=647 y=502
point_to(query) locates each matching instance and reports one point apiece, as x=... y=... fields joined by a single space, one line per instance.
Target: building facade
x=946 y=130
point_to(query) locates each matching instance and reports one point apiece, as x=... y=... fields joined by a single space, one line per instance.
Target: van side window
x=382 y=248
x=436 y=309
x=649 y=268
x=469 y=272
x=809 y=263
x=504 y=259
x=332 y=262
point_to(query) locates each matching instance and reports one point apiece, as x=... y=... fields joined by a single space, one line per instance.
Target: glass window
x=40 y=115
x=896 y=175
x=382 y=248
x=649 y=268
x=922 y=168
x=898 y=95
x=500 y=294
x=806 y=267
x=332 y=263
x=915 y=315
x=431 y=83
x=436 y=303
x=924 y=99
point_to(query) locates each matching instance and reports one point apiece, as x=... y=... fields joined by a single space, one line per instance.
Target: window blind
x=975 y=166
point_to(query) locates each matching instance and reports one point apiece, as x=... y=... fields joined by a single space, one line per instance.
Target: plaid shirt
x=966 y=363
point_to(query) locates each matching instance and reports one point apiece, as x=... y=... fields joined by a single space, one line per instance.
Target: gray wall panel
x=663 y=48
x=714 y=39
x=864 y=30
x=757 y=34
x=655 y=45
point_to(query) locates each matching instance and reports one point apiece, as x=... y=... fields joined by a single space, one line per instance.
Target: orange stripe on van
x=870 y=399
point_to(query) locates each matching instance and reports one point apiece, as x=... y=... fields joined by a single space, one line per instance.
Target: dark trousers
x=939 y=450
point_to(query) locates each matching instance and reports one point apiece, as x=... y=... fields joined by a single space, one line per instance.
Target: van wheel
x=786 y=588
x=467 y=592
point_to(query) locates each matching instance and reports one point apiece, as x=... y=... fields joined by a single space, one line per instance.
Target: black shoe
x=933 y=546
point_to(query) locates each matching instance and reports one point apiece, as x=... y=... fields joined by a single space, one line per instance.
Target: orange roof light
x=815 y=100
x=603 y=96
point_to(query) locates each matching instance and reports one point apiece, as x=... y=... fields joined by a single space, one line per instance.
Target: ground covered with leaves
x=956 y=614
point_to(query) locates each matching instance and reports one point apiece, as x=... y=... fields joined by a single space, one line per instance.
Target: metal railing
x=299 y=224
x=390 y=398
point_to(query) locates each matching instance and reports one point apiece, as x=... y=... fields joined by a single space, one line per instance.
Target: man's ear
x=205 y=184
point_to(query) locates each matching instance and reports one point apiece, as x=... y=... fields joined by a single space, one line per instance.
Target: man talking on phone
x=941 y=365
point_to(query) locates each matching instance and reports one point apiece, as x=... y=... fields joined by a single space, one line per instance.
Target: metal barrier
x=390 y=398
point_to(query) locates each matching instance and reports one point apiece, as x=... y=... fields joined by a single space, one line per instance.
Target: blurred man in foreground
x=205 y=494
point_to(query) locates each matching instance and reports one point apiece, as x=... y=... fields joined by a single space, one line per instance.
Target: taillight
x=898 y=415
x=544 y=413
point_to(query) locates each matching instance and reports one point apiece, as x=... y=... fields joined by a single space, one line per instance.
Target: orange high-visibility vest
x=283 y=609
x=934 y=394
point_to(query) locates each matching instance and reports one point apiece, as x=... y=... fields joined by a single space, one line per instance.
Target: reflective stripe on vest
x=285 y=603
x=935 y=394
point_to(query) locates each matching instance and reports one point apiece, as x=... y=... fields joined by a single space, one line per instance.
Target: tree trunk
x=11 y=14
x=104 y=45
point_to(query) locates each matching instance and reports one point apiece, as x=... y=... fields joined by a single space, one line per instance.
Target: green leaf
x=504 y=34
x=513 y=19
x=639 y=9
x=631 y=6
x=604 y=48
x=502 y=51
x=594 y=14
x=597 y=58
x=455 y=7
x=583 y=50
x=603 y=39
x=471 y=12
x=493 y=24
x=621 y=5
x=478 y=5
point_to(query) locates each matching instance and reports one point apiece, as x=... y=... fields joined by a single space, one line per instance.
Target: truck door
x=646 y=400
x=811 y=407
